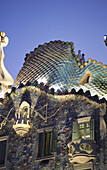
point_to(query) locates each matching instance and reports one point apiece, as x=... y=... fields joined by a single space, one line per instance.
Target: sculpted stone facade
x=51 y=140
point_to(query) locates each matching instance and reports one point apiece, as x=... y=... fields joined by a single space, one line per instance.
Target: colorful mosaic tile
x=56 y=64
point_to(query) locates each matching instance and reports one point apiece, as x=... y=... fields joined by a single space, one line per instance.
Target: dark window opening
x=47 y=142
x=85 y=79
x=88 y=79
x=3 y=151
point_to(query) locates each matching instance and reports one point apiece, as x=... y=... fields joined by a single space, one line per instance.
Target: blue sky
x=28 y=23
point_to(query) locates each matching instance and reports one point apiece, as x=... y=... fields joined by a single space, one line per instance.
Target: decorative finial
x=3 y=39
x=6 y=80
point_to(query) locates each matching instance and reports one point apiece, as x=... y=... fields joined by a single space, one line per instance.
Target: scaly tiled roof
x=56 y=64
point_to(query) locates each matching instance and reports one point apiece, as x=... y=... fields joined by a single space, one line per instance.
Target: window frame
x=76 y=130
x=51 y=150
x=4 y=138
x=84 y=130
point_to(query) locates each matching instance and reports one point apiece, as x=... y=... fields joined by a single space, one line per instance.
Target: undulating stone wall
x=61 y=110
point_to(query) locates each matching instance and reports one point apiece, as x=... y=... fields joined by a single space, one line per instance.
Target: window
x=47 y=142
x=3 y=151
x=21 y=125
x=83 y=128
x=24 y=112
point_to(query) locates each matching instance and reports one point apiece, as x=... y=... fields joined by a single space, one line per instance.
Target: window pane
x=92 y=129
x=54 y=141
x=81 y=126
x=47 y=143
x=87 y=124
x=75 y=131
x=41 y=145
x=88 y=133
x=84 y=130
x=2 y=152
x=81 y=134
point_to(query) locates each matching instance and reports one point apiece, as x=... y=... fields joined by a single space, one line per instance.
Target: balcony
x=21 y=129
x=21 y=125
x=82 y=151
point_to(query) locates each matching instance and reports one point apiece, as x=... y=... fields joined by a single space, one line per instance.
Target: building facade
x=56 y=114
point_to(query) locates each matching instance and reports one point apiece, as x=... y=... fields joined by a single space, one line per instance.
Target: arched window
x=22 y=116
x=24 y=112
x=21 y=125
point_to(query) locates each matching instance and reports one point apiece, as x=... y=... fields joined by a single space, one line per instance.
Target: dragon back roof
x=56 y=65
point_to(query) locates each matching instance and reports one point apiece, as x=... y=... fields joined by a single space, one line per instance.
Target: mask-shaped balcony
x=82 y=151
x=83 y=147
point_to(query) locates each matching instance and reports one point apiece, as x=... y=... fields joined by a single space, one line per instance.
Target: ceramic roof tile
x=57 y=64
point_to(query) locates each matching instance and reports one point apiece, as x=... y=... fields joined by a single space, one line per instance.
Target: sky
x=29 y=23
